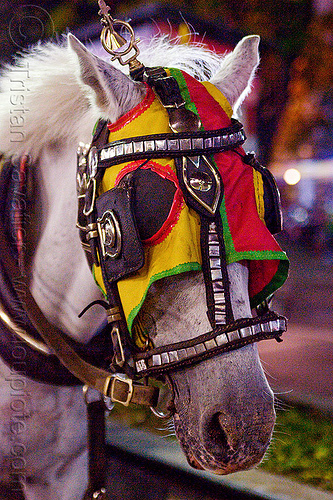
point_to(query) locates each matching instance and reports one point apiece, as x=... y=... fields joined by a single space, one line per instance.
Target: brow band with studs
x=163 y=145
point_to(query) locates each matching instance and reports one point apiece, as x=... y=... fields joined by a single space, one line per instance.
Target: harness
x=109 y=222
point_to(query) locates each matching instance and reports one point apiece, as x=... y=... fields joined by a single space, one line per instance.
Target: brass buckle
x=121 y=379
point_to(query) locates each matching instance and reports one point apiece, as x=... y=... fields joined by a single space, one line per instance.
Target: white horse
x=225 y=414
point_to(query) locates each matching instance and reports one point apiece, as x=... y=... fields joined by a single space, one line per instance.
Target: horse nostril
x=216 y=436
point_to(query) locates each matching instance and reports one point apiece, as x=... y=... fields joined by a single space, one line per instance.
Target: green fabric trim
x=181 y=268
x=178 y=75
x=228 y=241
x=95 y=127
x=277 y=281
x=261 y=255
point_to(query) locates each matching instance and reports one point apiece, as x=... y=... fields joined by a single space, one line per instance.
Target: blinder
x=152 y=210
x=119 y=240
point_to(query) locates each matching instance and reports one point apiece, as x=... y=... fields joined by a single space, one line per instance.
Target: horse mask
x=167 y=189
x=167 y=227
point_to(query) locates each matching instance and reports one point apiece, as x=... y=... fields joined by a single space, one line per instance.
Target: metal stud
x=233 y=335
x=185 y=144
x=119 y=149
x=274 y=325
x=141 y=365
x=256 y=329
x=165 y=358
x=220 y=308
x=217 y=141
x=182 y=354
x=218 y=286
x=199 y=348
x=208 y=142
x=265 y=327
x=173 y=356
x=246 y=332
x=212 y=238
x=173 y=144
x=104 y=154
x=157 y=361
x=212 y=227
x=138 y=147
x=190 y=352
x=160 y=145
x=197 y=143
x=149 y=145
x=215 y=263
x=219 y=298
x=210 y=344
x=221 y=339
x=128 y=148
x=216 y=274
x=220 y=319
x=214 y=250
x=282 y=324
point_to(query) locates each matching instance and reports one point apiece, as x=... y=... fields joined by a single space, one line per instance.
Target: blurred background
x=288 y=118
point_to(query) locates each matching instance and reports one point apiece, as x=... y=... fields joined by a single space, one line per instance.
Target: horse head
x=223 y=406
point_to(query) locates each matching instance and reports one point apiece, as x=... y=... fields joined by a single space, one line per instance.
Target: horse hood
x=175 y=246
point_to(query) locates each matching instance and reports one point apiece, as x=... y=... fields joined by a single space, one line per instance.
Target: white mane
x=42 y=102
x=195 y=59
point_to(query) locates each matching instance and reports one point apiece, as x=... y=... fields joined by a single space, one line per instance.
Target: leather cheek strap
x=103 y=381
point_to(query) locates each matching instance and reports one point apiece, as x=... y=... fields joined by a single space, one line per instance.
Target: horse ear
x=109 y=89
x=237 y=70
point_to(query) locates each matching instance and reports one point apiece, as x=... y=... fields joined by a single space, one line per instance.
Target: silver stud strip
x=116 y=151
x=215 y=265
x=220 y=340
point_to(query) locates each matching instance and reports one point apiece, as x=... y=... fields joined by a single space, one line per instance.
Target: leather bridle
x=187 y=147
x=101 y=229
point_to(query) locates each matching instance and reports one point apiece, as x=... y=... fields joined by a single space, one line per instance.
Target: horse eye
x=152 y=199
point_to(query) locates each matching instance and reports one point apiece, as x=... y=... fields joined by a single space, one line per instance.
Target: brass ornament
x=114 y=43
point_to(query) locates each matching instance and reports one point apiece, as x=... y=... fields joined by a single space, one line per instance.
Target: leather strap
x=226 y=338
x=97 y=451
x=103 y=381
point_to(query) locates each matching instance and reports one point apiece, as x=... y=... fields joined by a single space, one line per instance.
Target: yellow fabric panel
x=180 y=250
x=153 y=120
x=259 y=194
